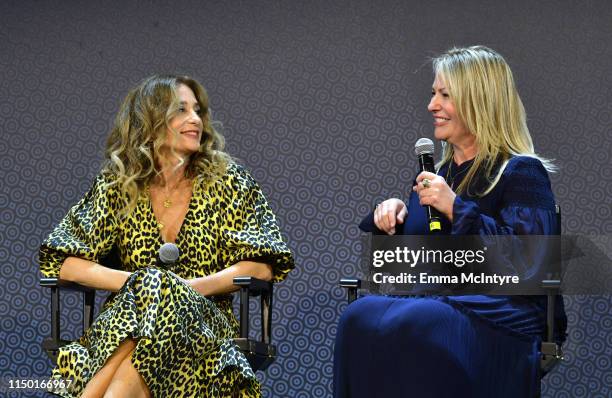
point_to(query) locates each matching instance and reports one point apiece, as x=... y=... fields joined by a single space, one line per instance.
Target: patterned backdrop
x=322 y=101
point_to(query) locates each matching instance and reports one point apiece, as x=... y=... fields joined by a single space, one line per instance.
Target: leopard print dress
x=184 y=340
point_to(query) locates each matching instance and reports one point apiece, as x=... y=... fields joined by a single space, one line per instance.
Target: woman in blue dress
x=490 y=181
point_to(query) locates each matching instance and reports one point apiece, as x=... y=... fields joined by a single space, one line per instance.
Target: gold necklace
x=167 y=202
x=449 y=175
x=160 y=224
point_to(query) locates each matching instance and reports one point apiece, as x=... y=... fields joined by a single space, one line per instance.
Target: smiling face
x=448 y=126
x=185 y=131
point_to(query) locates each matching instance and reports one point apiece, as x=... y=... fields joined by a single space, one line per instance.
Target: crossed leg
x=118 y=377
x=127 y=382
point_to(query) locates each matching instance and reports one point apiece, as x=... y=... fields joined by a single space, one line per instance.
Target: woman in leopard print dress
x=166 y=179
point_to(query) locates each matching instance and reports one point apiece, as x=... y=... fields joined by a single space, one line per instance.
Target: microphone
x=167 y=255
x=424 y=149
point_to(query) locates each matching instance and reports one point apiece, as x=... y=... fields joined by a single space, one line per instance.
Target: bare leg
x=99 y=383
x=127 y=382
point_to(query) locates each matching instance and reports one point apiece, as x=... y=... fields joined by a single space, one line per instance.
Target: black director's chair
x=260 y=353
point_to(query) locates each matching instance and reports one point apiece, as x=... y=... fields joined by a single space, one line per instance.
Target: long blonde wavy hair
x=481 y=85
x=140 y=129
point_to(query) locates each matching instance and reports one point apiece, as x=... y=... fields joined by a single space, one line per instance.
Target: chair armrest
x=56 y=282
x=351 y=284
x=253 y=285
x=250 y=286
x=552 y=284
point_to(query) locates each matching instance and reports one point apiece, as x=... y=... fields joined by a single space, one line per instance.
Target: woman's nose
x=434 y=105
x=194 y=117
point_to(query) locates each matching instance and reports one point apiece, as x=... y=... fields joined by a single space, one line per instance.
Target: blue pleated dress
x=454 y=346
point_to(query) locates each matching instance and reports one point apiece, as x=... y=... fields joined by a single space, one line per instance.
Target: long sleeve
x=250 y=230
x=526 y=205
x=521 y=204
x=88 y=230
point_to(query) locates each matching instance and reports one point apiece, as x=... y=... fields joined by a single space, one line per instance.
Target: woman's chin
x=440 y=135
x=182 y=152
x=189 y=148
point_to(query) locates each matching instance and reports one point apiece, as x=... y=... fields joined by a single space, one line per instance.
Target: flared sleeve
x=527 y=204
x=524 y=205
x=88 y=230
x=249 y=229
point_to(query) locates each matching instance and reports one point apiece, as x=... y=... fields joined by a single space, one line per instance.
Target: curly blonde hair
x=139 y=132
x=482 y=87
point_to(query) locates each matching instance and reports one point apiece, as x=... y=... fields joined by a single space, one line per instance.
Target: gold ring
x=426 y=183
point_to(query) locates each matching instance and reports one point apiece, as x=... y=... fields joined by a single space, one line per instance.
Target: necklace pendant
x=167 y=203
x=161 y=225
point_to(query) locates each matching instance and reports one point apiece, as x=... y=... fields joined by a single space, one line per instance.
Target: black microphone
x=424 y=149
x=167 y=256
